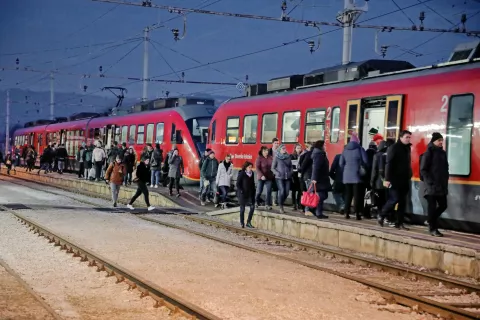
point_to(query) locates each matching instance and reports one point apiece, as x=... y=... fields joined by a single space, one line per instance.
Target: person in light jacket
x=246 y=193
x=320 y=176
x=98 y=158
x=175 y=171
x=224 y=178
x=353 y=157
x=283 y=170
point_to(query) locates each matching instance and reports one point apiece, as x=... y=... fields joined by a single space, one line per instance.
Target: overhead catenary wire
x=122 y=57
x=395 y=3
x=438 y=14
x=165 y=60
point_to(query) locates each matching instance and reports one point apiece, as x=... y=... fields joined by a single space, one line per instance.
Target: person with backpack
x=398 y=174
x=378 y=175
x=155 y=166
x=434 y=173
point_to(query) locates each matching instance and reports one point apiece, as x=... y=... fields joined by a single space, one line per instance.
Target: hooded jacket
x=435 y=171
x=352 y=157
x=224 y=174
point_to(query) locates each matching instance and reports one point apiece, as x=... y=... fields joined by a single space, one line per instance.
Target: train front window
x=198 y=128
x=459 y=134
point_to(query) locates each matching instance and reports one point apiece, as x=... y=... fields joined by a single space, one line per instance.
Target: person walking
x=142 y=179
x=209 y=175
x=305 y=170
x=246 y=193
x=155 y=166
x=175 y=172
x=320 y=176
x=283 y=170
x=129 y=160
x=265 y=177
x=435 y=174
x=112 y=153
x=354 y=162
x=9 y=161
x=115 y=174
x=202 y=160
x=61 y=157
x=98 y=158
x=378 y=175
x=224 y=178
x=398 y=172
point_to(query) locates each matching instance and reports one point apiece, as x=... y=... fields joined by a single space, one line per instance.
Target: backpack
x=420 y=166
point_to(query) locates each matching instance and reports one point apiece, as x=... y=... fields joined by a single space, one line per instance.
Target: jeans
x=283 y=190
x=210 y=188
x=45 y=166
x=115 y=190
x=223 y=193
x=127 y=178
x=396 y=196
x=61 y=165
x=141 y=188
x=177 y=184
x=155 y=177
x=434 y=211
x=261 y=184
x=339 y=201
x=201 y=185
x=250 y=213
x=98 y=169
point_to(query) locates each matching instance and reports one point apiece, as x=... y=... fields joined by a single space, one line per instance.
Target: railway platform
x=456 y=253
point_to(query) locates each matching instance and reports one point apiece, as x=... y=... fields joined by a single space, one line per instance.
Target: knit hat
x=436 y=136
x=377 y=137
x=373 y=131
x=354 y=137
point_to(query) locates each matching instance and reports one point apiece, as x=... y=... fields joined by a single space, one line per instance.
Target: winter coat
x=129 y=161
x=282 y=168
x=202 y=160
x=320 y=172
x=352 y=157
x=378 y=167
x=47 y=155
x=142 y=173
x=263 y=167
x=112 y=154
x=16 y=158
x=306 y=165
x=245 y=188
x=88 y=155
x=336 y=173
x=98 y=154
x=115 y=173
x=371 y=151
x=209 y=169
x=8 y=158
x=146 y=155
x=224 y=175
x=398 y=169
x=61 y=154
x=434 y=170
x=176 y=168
x=156 y=159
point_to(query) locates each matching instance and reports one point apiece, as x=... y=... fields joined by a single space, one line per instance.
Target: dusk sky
x=32 y=30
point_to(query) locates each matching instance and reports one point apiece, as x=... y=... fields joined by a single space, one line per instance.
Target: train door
x=109 y=131
x=393 y=116
x=373 y=122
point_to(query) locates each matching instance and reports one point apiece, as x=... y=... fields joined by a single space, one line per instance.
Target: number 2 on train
x=329 y=113
x=444 y=107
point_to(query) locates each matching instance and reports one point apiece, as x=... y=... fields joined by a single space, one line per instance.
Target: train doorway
x=372 y=115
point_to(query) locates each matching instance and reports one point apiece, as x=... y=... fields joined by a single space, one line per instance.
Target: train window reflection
x=250 y=129
x=131 y=136
x=269 y=127
x=160 y=130
x=124 y=134
x=335 y=126
x=150 y=128
x=141 y=135
x=233 y=125
x=214 y=131
x=315 y=125
x=459 y=134
x=291 y=127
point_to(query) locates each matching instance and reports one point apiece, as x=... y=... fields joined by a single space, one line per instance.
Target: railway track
x=421 y=300
x=161 y=296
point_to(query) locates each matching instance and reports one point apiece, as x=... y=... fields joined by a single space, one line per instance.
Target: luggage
x=310 y=199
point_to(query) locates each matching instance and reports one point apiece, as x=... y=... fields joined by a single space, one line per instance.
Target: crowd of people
x=382 y=173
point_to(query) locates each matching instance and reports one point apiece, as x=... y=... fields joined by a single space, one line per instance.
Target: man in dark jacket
x=434 y=173
x=398 y=172
x=378 y=174
x=202 y=160
x=155 y=166
x=113 y=153
x=320 y=176
x=209 y=176
x=336 y=173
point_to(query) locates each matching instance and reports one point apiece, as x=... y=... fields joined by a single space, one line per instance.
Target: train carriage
x=422 y=100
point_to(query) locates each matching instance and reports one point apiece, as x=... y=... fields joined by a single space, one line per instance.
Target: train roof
x=371 y=79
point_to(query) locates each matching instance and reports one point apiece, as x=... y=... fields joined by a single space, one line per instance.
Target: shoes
x=129 y=206
x=282 y=210
x=401 y=227
x=322 y=216
x=243 y=225
x=249 y=225
x=155 y=186
x=436 y=233
x=151 y=208
x=202 y=203
x=178 y=195
x=358 y=217
x=268 y=208
x=114 y=204
x=380 y=220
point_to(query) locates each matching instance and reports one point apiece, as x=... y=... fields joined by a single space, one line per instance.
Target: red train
x=185 y=125
x=422 y=100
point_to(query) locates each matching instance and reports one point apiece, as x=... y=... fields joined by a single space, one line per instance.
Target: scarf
x=226 y=164
x=281 y=156
x=249 y=173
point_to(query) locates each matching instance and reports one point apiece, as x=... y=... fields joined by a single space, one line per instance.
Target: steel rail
x=448 y=311
x=161 y=296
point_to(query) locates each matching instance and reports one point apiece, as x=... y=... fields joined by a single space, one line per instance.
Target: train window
x=40 y=137
x=141 y=134
x=233 y=127
x=291 y=127
x=269 y=127
x=131 y=136
x=214 y=130
x=150 y=128
x=117 y=135
x=124 y=137
x=172 y=134
x=250 y=129
x=160 y=132
x=335 y=125
x=97 y=135
x=459 y=134
x=314 y=125
x=352 y=119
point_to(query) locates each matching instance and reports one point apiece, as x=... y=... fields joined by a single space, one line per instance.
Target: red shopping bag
x=310 y=199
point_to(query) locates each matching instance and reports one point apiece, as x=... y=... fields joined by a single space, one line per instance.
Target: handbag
x=310 y=199
x=134 y=176
x=362 y=170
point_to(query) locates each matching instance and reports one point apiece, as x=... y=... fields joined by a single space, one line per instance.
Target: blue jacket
x=320 y=172
x=352 y=157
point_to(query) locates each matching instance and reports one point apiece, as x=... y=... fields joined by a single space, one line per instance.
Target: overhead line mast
x=171 y=9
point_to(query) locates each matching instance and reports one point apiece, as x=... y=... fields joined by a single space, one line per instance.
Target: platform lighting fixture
x=463 y=21
x=17 y=62
x=311 y=44
x=175 y=34
x=422 y=18
x=284 y=10
x=85 y=88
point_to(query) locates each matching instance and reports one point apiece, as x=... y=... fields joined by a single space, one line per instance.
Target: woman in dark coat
x=175 y=171
x=143 y=177
x=296 y=187
x=320 y=175
x=246 y=192
x=336 y=173
x=129 y=161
